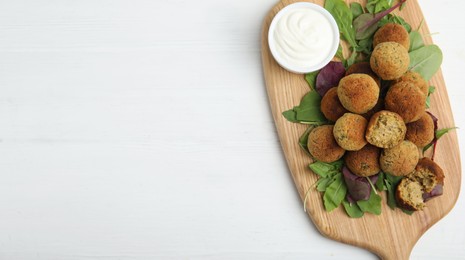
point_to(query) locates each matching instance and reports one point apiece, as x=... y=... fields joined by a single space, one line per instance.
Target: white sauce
x=303 y=37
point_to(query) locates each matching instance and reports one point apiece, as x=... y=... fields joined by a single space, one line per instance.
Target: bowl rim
x=299 y=69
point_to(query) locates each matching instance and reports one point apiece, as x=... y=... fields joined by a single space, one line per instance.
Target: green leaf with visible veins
x=335 y=193
x=391 y=182
x=439 y=133
x=376 y=6
x=372 y=205
x=308 y=111
x=352 y=209
x=309 y=108
x=356 y=9
x=326 y=169
x=390 y=18
x=380 y=182
x=426 y=60
x=311 y=79
x=416 y=41
x=323 y=183
x=343 y=16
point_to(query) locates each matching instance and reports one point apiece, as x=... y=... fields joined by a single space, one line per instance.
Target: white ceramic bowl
x=292 y=67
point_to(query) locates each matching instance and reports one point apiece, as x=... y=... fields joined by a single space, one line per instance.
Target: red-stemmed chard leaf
x=360 y=22
x=358 y=187
x=329 y=77
x=360 y=27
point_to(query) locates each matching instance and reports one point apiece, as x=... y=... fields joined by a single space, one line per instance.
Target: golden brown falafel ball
x=331 y=107
x=364 y=162
x=349 y=131
x=409 y=195
x=363 y=68
x=389 y=60
x=399 y=160
x=428 y=174
x=323 y=146
x=392 y=32
x=416 y=79
x=406 y=100
x=385 y=129
x=409 y=192
x=358 y=93
x=421 y=132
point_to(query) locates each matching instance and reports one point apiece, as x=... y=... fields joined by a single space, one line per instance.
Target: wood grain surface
x=393 y=234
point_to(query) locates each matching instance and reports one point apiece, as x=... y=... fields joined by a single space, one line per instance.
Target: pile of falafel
x=374 y=134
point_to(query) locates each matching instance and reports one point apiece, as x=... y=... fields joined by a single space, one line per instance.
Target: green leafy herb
x=291 y=115
x=343 y=16
x=361 y=30
x=326 y=169
x=370 y=21
x=416 y=41
x=356 y=9
x=408 y=212
x=430 y=91
x=391 y=182
x=376 y=6
x=439 y=133
x=323 y=183
x=335 y=193
x=311 y=79
x=330 y=182
x=426 y=60
x=380 y=182
x=372 y=205
x=303 y=140
x=308 y=111
x=352 y=209
x=366 y=45
x=390 y=18
x=329 y=173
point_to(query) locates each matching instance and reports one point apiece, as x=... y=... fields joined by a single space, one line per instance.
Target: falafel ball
x=363 y=68
x=392 y=32
x=428 y=174
x=385 y=129
x=421 y=132
x=411 y=189
x=358 y=93
x=349 y=131
x=364 y=162
x=416 y=79
x=400 y=160
x=331 y=107
x=409 y=195
x=323 y=146
x=407 y=100
x=389 y=60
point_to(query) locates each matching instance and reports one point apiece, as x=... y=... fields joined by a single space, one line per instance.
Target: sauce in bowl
x=303 y=37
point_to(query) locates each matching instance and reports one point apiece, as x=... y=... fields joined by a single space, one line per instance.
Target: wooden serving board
x=392 y=234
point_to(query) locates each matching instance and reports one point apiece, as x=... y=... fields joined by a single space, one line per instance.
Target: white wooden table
x=141 y=130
